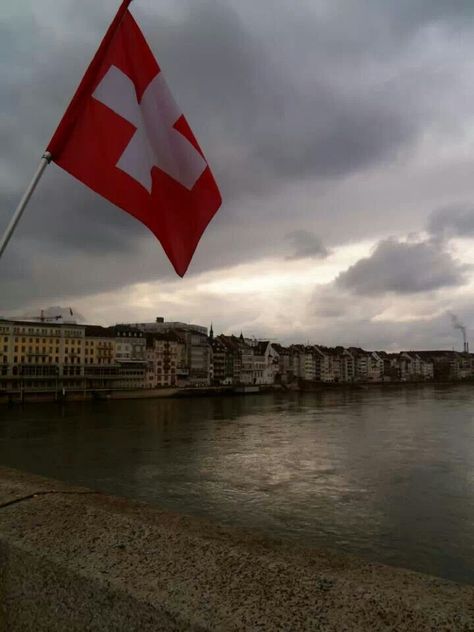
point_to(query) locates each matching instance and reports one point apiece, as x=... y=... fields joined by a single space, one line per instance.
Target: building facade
x=162 y=360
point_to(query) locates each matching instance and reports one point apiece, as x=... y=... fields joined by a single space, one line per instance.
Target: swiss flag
x=124 y=136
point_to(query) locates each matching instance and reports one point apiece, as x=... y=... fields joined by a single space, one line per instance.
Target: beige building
x=99 y=346
x=40 y=356
x=45 y=357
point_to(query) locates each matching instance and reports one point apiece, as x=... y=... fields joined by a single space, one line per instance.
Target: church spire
x=211 y=333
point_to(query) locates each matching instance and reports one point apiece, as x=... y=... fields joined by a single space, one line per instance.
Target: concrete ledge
x=72 y=560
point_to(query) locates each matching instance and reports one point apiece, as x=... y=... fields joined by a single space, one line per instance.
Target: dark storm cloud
x=305 y=244
x=271 y=116
x=455 y=221
x=403 y=268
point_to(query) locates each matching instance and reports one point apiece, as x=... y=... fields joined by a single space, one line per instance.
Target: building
x=130 y=343
x=130 y=357
x=412 y=367
x=283 y=373
x=305 y=362
x=232 y=358
x=101 y=371
x=247 y=368
x=39 y=356
x=160 y=326
x=265 y=363
x=368 y=365
x=99 y=346
x=162 y=352
x=198 y=356
x=194 y=354
x=221 y=374
x=448 y=365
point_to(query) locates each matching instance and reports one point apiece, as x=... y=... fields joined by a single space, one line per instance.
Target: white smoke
x=457 y=324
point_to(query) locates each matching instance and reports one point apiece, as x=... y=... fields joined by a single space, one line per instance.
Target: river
x=385 y=473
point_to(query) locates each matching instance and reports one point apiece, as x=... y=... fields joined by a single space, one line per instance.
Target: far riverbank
x=81 y=395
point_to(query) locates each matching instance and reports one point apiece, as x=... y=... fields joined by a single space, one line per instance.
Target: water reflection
x=386 y=473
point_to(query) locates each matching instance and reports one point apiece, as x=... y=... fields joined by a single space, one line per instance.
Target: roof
x=232 y=342
x=96 y=331
x=358 y=351
x=442 y=354
x=169 y=336
x=126 y=329
x=280 y=348
x=38 y=323
x=261 y=347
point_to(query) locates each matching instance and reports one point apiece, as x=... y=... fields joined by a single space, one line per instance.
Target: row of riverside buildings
x=43 y=356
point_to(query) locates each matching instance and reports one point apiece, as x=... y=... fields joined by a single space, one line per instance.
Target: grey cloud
x=403 y=268
x=455 y=221
x=419 y=334
x=306 y=96
x=291 y=107
x=305 y=244
x=334 y=317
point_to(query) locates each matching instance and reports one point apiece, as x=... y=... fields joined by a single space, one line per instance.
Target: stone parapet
x=73 y=560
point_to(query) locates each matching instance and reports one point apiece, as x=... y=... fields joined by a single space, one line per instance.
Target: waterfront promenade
x=73 y=559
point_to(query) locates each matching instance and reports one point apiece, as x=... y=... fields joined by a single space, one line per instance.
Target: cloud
x=403 y=268
x=454 y=221
x=342 y=119
x=305 y=244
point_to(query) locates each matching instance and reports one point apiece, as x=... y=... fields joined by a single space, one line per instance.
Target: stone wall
x=74 y=560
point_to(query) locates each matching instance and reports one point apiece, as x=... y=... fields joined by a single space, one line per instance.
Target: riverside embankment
x=77 y=395
x=72 y=559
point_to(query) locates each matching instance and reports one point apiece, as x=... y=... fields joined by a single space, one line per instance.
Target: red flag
x=124 y=136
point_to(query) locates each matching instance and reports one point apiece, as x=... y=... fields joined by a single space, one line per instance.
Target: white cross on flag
x=124 y=136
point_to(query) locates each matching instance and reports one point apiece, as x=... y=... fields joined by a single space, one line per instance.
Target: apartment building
x=162 y=351
x=40 y=356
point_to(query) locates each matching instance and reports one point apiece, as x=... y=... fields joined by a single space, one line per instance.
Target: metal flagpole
x=45 y=160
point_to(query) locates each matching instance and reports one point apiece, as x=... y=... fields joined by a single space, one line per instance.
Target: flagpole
x=44 y=162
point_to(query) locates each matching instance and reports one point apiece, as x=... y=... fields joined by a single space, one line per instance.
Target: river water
x=386 y=473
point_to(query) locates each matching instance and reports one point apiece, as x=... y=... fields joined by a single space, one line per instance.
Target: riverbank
x=37 y=396
x=76 y=559
x=80 y=395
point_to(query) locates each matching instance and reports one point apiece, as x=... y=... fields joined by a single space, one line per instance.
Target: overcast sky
x=340 y=132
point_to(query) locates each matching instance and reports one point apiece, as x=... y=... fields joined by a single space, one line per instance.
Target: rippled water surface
x=383 y=473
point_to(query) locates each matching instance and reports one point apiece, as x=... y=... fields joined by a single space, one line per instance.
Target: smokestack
x=457 y=324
